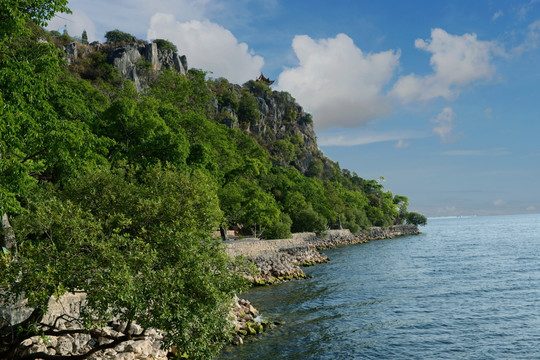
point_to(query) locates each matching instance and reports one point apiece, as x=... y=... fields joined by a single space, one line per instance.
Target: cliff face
x=283 y=119
x=133 y=61
x=281 y=126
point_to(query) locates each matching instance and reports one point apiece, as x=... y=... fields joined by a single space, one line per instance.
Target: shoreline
x=281 y=259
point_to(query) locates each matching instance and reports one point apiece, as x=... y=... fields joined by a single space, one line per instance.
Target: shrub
x=165 y=45
x=248 y=109
x=308 y=220
x=115 y=36
x=416 y=219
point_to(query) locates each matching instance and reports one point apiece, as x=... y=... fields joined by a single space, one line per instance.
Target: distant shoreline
x=281 y=259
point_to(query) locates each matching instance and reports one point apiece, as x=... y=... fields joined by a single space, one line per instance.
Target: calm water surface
x=467 y=288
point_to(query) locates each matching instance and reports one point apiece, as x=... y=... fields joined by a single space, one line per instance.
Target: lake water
x=466 y=288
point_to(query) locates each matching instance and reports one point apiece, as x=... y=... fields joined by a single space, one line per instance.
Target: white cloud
x=368 y=138
x=499 y=202
x=75 y=24
x=456 y=61
x=337 y=82
x=133 y=16
x=208 y=46
x=497 y=15
x=531 y=208
x=402 y=144
x=445 y=124
x=524 y=10
x=531 y=40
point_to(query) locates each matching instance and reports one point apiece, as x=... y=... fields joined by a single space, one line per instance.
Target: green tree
x=14 y=15
x=248 y=109
x=308 y=220
x=116 y=36
x=84 y=37
x=280 y=229
x=416 y=219
x=165 y=45
x=401 y=202
x=283 y=152
x=141 y=251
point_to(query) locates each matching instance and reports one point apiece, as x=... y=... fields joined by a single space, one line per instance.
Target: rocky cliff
x=281 y=125
x=134 y=61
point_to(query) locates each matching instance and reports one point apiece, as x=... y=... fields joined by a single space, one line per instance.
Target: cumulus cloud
x=445 y=125
x=456 y=61
x=337 y=82
x=208 y=46
x=133 y=16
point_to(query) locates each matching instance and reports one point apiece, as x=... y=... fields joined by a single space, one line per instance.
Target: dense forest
x=115 y=192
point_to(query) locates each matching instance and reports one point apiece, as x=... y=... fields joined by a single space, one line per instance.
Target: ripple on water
x=466 y=288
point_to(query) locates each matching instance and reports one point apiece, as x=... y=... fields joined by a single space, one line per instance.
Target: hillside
x=116 y=165
x=280 y=126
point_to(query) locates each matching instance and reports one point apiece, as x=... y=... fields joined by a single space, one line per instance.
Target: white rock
x=140 y=347
x=64 y=346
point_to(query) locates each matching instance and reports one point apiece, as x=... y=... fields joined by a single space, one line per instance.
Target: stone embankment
x=247 y=321
x=279 y=260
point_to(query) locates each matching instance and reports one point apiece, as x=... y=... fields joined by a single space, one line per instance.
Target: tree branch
x=45 y=356
x=31 y=156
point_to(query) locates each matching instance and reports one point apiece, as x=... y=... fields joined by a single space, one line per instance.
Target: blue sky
x=441 y=98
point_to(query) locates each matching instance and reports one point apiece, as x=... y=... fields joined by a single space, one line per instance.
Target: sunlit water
x=466 y=288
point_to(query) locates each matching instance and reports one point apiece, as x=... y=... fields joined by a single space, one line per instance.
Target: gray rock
x=237 y=340
x=64 y=346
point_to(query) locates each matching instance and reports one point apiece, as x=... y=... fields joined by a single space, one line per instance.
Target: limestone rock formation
x=281 y=118
x=130 y=59
x=134 y=61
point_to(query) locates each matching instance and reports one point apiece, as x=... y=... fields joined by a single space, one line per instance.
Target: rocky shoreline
x=281 y=260
x=277 y=260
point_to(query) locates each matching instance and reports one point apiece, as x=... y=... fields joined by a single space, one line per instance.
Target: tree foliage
x=416 y=219
x=163 y=45
x=115 y=193
x=117 y=36
x=248 y=109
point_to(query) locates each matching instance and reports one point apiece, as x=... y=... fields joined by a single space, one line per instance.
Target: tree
x=248 y=109
x=308 y=220
x=84 y=37
x=416 y=219
x=14 y=15
x=401 y=202
x=141 y=251
x=165 y=45
x=116 y=36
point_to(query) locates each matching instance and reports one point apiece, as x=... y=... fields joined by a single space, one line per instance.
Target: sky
x=440 y=100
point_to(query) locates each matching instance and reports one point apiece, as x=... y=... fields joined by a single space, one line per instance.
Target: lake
x=466 y=288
